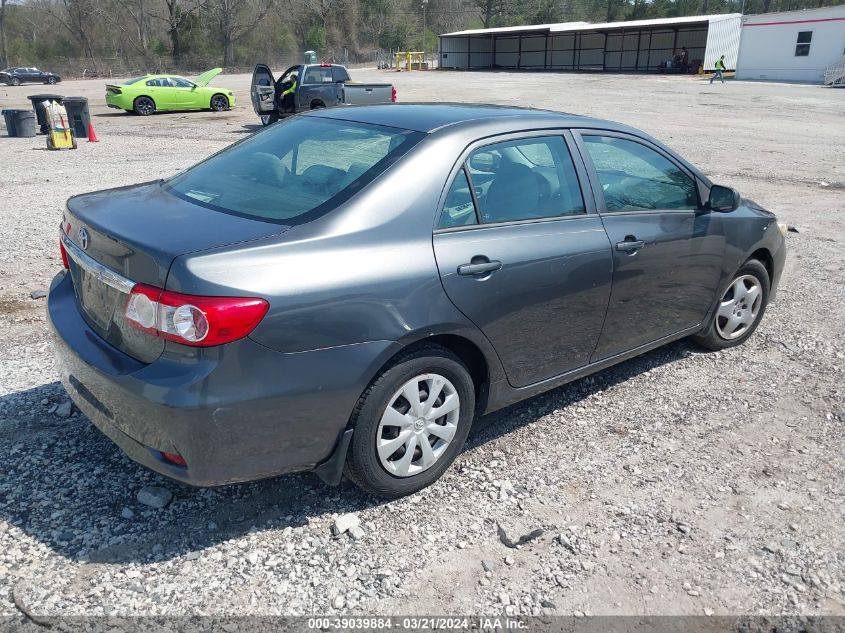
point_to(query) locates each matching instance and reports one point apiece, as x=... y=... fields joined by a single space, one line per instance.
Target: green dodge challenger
x=144 y=95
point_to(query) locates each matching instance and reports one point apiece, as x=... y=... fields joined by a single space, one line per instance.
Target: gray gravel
x=681 y=482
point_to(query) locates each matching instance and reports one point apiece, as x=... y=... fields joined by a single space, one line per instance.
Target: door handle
x=630 y=245
x=479 y=268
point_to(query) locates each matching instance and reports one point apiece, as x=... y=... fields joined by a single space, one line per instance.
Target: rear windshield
x=293 y=171
x=131 y=81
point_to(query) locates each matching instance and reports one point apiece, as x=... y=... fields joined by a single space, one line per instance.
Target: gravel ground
x=680 y=482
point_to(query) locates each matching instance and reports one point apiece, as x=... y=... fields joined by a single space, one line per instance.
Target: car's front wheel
x=740 y=309
x=219 y=103
x=411 y=423
x=16 y=81
x=268 y=119
x=51 y=80
x=144 y=106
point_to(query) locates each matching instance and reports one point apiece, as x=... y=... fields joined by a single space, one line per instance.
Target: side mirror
x=723 y=199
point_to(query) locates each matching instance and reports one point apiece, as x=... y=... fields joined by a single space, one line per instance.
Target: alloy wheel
x=418 y=425
x=739 y=307
x=219 y=103
x=144 y=106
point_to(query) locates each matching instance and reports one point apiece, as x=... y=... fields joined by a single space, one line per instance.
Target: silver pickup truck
x=317 y=86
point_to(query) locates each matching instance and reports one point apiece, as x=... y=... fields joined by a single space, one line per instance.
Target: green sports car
x=151 y=93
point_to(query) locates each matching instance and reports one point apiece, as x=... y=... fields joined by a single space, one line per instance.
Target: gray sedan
x=346 y=291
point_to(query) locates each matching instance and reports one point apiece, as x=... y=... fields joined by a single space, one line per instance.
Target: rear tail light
x=393 y=94
x=193 y=320
x=173 y=458
x=65 y=262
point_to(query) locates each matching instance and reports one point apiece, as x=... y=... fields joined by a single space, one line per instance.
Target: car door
x=157 y=89
x=183 y=94
x=263 y=90
x=318 y=86
x=523 y=254
x=667 y=251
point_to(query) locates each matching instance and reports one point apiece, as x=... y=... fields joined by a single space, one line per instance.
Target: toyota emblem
x=83 y=239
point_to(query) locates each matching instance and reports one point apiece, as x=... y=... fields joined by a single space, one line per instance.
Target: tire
x=15 y=81
x=737 y=315
x=318 y=105
x=143 y=106
x=387 y=475
x=49 y=143
x=219 y=103
x=269 y=119
x=51 y=80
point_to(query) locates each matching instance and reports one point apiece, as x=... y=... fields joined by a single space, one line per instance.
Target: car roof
x=428 y=118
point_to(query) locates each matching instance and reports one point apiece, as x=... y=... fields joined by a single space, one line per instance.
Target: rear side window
x=458 y=209
x=339 y=73
x=634 y=177
x=525 y=179
x=318 y=75
x=295 y=171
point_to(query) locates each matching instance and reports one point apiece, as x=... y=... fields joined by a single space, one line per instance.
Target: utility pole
x=424 y=4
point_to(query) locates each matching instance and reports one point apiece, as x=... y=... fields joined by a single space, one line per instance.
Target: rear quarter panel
x=363 y=272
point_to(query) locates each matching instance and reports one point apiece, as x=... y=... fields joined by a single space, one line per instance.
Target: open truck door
x=263 y=94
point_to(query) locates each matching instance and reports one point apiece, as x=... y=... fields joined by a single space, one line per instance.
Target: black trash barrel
x=25 y=123
x=9 y=116
x=78 y=115
x=39 y=104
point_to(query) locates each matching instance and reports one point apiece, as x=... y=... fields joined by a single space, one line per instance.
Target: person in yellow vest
x=288 y=95
x=720 y=68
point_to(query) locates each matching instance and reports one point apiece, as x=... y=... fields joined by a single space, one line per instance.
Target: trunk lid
x=207 y=76
x=131 y=235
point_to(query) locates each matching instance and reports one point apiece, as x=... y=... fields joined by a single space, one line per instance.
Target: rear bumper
x=237 y=412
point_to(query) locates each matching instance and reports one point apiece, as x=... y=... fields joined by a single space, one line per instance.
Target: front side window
x=294 y=171
x=634 y=177
x=525 y=179
x=802 y=44
x=179 y=82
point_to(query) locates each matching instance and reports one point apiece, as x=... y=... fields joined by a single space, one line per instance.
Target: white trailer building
x=791 y=46
x=634 y=46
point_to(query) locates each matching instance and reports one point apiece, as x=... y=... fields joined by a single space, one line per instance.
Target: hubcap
x=145 y=106
x=418 y=425
x=739 y=307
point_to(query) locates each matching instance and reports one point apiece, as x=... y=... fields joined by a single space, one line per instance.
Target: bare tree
x=4 y=55
x=236 y=19
x=177 y=16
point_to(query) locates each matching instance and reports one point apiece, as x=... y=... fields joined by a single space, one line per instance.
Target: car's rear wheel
x=740 y=309
x=16 y=81
x=144 y=106
x=267 y=119
x=411 y=423
x=219 y=103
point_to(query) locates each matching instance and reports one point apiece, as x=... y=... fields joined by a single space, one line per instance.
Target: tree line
x=114 y=36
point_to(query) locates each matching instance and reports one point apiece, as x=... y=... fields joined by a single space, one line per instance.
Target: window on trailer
x=802 y=45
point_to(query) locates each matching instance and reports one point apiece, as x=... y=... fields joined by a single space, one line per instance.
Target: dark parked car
x=21 y=75
x=350 y=288
x=316 y=86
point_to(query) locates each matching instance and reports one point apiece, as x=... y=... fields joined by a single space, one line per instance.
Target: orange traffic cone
x=92 y=135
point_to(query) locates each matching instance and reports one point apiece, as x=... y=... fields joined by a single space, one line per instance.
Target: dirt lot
x=681 y=482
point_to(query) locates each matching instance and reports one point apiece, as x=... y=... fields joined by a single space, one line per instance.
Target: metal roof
x=429 y=117
x=565 y=27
